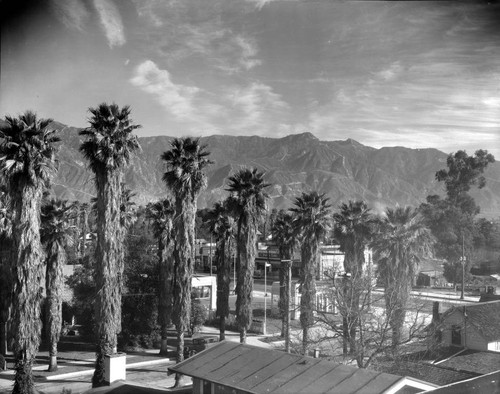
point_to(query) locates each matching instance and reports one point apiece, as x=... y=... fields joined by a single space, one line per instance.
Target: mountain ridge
x=295 y=163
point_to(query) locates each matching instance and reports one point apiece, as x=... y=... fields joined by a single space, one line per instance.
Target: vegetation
x=56 y=235
x=6 y=265
x=353 y=229
x=185 y=177
x=402 y=241
x=109 y=144
x=27 y=163
x=248 y=202
x=284 y=234
x=312 y=222
x=160 y=216
x=452 y=219
x=223 y=227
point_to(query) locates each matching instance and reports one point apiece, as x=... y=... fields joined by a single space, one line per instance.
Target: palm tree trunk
x=222 y=328
x=223 y=285
x=309 y=257
x=183 y=272
x=108 y=275
x=54 y=285
x=6 y=258
x=28 y=274
x=164 y=294
x=247 y=250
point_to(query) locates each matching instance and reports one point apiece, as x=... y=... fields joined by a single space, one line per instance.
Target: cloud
x=187 y=30
x=253 y=108
x=390 y=73
x=259 y=4
x=111 y=22
x=72 y=13
x=176 y=99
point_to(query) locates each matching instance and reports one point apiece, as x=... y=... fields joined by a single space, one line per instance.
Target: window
x=456 y=335
x=201 y=292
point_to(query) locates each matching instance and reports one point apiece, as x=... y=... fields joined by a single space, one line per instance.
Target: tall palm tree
x=312 y=221
x=284 y=234
x=128 y=216
x=6 y=258
x=353 y=229
x=160 y=216
x=56 y=234
x=222 y=225
x=249 y=203
x=186 y=162
x=401 y=242
x=108 y=147
x=27 y=163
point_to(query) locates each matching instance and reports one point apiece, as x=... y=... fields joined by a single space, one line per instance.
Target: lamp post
x=288 y=286
x=210 y=254
x=265 y=297
x=234 y=272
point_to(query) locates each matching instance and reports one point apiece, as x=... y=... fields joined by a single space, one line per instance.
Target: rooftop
x=256 y=370
x=474 y=362
x=484 y=317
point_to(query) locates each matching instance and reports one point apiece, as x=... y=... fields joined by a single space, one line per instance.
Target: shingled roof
x=483 y=316
x=252 y=369
x=474 y=361
x=432 y=373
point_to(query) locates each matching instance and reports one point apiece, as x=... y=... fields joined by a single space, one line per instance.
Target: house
x=473 y=326
x=230 y=367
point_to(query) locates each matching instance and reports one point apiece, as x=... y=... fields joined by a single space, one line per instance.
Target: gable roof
x=484 y=317
x=252 y=369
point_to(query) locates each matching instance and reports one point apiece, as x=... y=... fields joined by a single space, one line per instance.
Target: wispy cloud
x=178 y=31
x=175 y=98
x=253 y=108
x=256 y=108
x=72 y=13
x=111 y=22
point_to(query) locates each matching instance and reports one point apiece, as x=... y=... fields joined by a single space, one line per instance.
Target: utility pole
x=463 y=267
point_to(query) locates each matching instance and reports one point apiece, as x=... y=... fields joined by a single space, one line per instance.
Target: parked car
x=198 y=344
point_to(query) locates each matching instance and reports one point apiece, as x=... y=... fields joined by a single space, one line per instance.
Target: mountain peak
x=305 y=136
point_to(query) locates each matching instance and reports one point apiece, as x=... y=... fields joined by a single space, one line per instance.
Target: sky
x=384 y=73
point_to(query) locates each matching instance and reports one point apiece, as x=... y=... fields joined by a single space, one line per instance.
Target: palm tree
x=128 y=216
x=312 y=221
x=401 y=242
x=249 y=203
x=109 y=145
x=56 y=234
x=27 y=163
x=186 y=161
x=284 y=234
x=160 y=215
x=6 y=258
x=353 y=229
x=83 y=219
x=222 y=225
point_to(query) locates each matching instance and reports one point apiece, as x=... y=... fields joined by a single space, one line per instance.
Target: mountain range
x=342 y=170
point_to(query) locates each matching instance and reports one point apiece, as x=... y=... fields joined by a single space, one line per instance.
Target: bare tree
x=373 y=324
